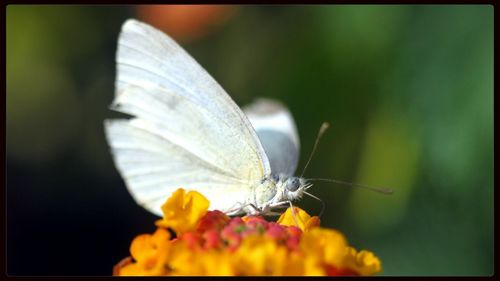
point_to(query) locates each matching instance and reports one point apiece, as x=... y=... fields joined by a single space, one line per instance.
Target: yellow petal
x=146 y=245
x=326 y=244
x=218 y=263
x=313 y=267
x=141 y=247
x=364 y=262
x=255 y=256
x=304 y=220
x=182 y=211
x=133 y=269
x=150 y=253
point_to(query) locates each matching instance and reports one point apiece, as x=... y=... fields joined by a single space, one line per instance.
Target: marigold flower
x=182 y=211
x=211 y=243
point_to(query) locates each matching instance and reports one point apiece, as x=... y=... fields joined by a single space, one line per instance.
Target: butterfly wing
x=186 y=130
x=277 y=133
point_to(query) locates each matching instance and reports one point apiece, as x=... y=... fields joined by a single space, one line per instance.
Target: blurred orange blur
x=186 y=23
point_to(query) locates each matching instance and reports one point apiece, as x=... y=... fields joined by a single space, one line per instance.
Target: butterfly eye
x=275 y=177
x=292 y=184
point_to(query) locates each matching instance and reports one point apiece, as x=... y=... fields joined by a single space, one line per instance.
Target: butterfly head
x=294 y=187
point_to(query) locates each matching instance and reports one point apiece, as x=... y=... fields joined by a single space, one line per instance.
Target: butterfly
x=186 y=131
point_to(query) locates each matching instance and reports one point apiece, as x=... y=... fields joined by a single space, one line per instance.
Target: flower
x=304 y=220
x=326 y=244
x=211 y=243
x=150 y=253
x=183 y=210
x=363 y=262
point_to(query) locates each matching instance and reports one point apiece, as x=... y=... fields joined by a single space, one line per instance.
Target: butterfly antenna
x=317 y=198
x=322 y=130
x=383 y=190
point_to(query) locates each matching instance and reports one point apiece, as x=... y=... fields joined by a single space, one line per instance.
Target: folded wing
x=185 y=132
x=277 y=133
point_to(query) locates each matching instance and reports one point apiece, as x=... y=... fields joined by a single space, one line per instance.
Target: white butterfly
x=187 y=132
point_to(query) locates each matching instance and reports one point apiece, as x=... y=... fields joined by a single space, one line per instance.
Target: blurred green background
x=408 y=91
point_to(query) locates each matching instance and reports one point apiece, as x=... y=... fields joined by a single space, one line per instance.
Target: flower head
x=211 y=243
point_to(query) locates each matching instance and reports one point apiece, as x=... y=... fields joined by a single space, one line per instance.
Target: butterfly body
x=272 y=192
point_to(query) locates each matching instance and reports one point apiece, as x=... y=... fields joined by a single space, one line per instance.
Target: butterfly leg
x=235 y=210
x=257 y=209
x=241 y=208
x=281 y=205
x=273 y=214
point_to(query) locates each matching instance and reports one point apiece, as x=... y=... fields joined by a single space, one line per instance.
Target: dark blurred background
x=408 y=91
